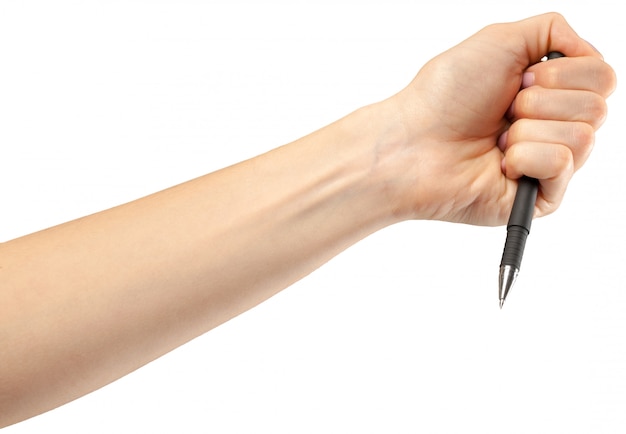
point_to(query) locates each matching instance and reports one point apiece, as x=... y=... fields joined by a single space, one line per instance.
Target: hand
x=470 y=132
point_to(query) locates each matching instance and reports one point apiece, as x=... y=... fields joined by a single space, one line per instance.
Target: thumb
x=532 y=38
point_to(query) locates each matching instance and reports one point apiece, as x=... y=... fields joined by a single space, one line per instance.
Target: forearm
x=86 y=302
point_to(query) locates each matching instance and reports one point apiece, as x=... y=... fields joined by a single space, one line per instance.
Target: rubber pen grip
x=520 y=221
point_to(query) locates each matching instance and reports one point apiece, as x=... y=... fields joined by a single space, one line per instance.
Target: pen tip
x=501 y=303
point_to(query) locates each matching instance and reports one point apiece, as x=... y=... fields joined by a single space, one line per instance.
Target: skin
x=86 y=302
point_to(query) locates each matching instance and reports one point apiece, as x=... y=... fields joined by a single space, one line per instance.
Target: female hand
x=487 y=111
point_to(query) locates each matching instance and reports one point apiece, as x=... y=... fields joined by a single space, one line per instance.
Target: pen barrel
x=520 y=221
x=524 y=203
x=554 y=55
x=514 y=246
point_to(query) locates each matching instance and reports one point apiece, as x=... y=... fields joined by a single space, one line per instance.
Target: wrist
x=396 y=163
x=379 y=137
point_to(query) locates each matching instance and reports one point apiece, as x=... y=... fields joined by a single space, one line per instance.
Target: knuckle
x=556 y=16
x=563 y=159
x=525 y=102
x=551 y=75
x=516 y=130
x=596 y=108
x=607 y=79
x=583 y=135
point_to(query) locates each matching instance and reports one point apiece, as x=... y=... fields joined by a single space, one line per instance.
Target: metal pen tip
x=508 y=275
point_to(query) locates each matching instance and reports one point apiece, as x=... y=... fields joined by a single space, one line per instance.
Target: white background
x=102 y=102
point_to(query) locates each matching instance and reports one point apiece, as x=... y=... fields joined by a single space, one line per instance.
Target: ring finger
x=578 y=136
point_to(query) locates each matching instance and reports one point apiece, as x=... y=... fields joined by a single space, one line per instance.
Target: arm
x=86 y=302
x=98 y=297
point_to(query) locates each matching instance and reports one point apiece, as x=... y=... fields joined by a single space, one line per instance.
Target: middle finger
x=537 y=102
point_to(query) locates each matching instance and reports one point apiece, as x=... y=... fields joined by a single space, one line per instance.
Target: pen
x=518 y=227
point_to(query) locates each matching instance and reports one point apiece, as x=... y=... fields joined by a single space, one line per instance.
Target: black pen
x=518 y=227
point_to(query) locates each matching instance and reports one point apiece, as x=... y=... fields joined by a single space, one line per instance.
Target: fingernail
x=528 y=79
x=502 y=140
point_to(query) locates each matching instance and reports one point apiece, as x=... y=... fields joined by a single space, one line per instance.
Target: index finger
x=574 y=73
